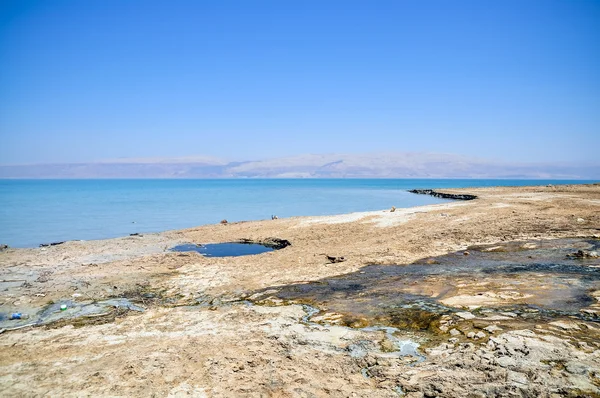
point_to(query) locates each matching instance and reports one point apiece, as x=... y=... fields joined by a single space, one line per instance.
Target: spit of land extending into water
x=497 y=296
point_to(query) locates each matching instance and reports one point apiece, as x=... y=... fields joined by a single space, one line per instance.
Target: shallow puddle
x=65 y=310
x=534 y=279
x=232 y=249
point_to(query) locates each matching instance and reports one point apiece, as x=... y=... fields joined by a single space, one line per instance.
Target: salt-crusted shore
x=199 y=336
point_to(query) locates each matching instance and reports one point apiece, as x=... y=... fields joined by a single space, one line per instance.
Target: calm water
x=40 y=211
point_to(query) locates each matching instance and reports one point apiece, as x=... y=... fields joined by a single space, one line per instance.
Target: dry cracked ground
x=498 y=297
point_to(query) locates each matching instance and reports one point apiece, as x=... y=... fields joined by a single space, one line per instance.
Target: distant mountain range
x=378 y=165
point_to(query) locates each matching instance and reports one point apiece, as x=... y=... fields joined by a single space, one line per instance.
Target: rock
x=387 y=346
x=517 y=378
x=584 y=254
x=393 y=209
x=335 y=259
x=51 y=244
x=453 y=340
x=471 y=335
x=565 y=325
x=510 y=314
x=591 y=313
x=224 y=222
x=576 y=368
x=480 y=335
x=275 y=243
x=580 y=219
x=492 y=329
x=465 y=315
x=506 y=362
x=443 y=195
x=455 y=332
x=3 y=247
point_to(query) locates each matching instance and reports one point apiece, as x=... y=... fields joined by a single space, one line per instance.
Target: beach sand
x=212 y=328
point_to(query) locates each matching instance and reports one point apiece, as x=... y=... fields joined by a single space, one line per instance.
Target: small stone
x=492 y=329
x=471 y=335
x=505 y=362
x=580 y=219
x=465 y=315
x=480 y=335
x=510 y=314
x=453 y=340
x=455 y=332
x=466 y=253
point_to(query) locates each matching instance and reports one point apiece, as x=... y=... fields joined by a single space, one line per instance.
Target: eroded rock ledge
x=443 y=195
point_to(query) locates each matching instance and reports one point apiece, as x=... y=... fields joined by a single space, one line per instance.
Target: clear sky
x=96 y=79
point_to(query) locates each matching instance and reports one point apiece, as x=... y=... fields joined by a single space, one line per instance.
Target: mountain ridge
x=373 y=165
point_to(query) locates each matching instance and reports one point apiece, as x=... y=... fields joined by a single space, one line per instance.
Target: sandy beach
x=296 y=323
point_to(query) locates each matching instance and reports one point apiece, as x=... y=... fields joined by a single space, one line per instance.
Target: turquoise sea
x=42 y=211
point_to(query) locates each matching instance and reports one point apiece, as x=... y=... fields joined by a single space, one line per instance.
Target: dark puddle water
x=535 y=279
x=232 y=249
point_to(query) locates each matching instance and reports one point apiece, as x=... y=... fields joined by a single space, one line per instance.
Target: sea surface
x=43 y=211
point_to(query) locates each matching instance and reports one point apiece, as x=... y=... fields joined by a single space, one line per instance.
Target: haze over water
x=41 y=211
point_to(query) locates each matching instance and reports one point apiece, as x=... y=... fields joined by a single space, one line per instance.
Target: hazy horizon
x=332 y=165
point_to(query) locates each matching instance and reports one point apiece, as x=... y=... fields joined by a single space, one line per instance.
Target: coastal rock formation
x=443 y=195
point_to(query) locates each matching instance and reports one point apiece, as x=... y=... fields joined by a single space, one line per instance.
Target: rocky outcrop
x=51 y=244
x=274 y=243
x=443 y=195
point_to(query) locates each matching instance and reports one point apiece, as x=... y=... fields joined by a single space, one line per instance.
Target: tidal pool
x=232 y=249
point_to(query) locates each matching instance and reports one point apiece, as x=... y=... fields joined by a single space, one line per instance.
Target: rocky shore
x=495 y=295
x=443 y=195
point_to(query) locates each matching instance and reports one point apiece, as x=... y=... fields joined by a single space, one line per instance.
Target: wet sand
x=290 y=322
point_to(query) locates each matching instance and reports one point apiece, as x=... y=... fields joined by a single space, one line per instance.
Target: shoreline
x=38 y=220
x=228 y=314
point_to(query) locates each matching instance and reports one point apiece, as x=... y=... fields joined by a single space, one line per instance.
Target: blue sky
x=97 y=79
